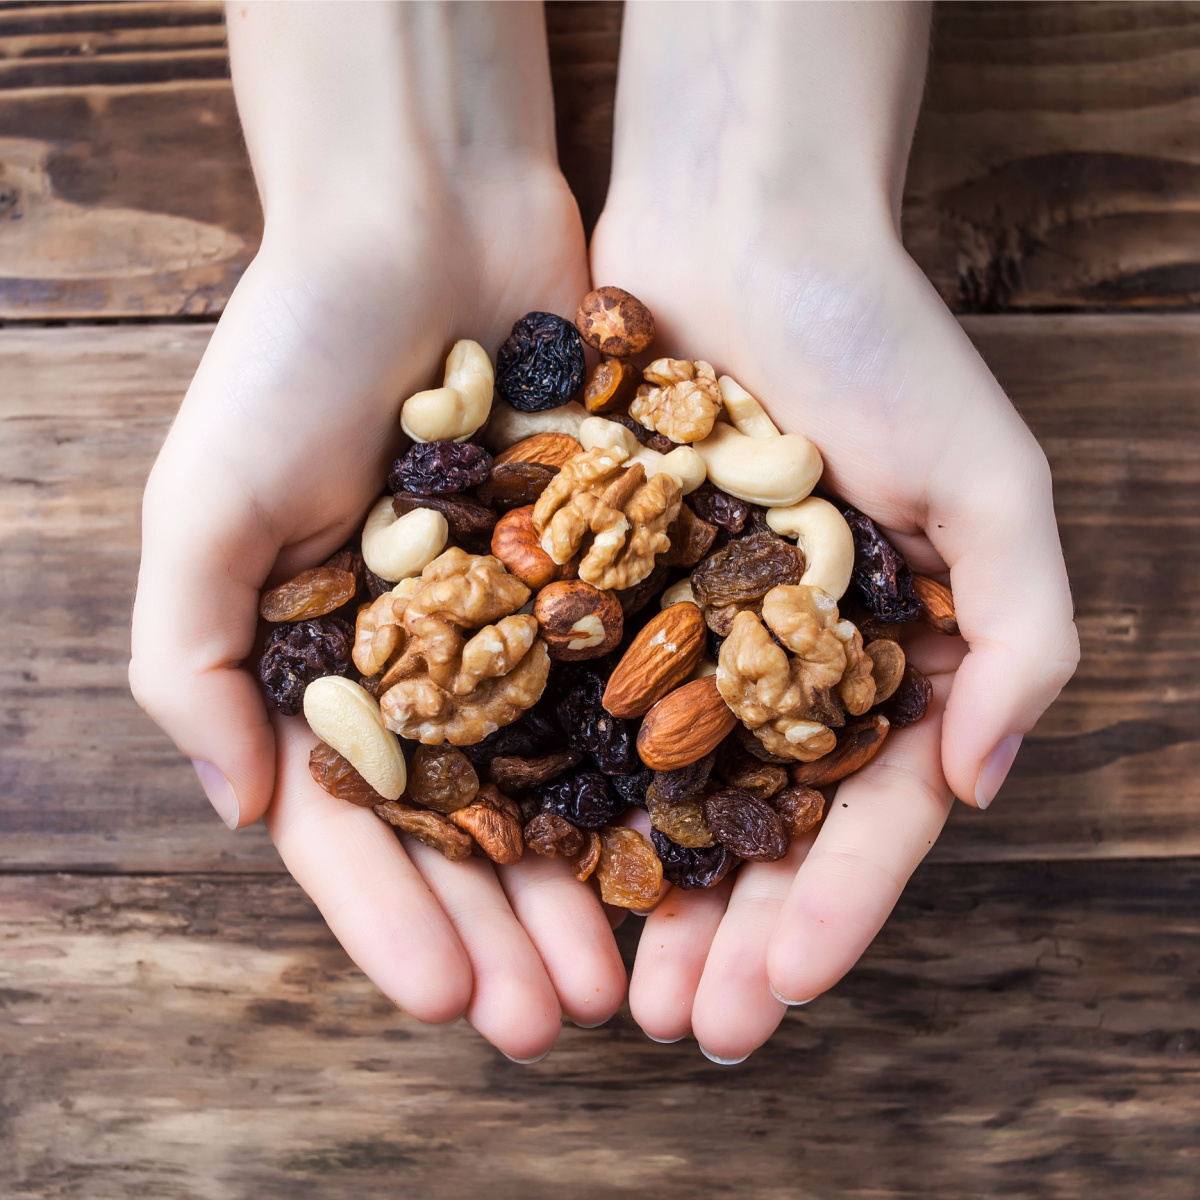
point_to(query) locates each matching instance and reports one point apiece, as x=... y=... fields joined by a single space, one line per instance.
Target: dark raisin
x=376 y=584
x=611 y=741
x=715 y=642
x=907 y=704
x=438 y=468
x=634 y=599
x=719 y=508
x=689 y=869
x=297 y=654
x=585 y=800
x=750 y=742
x=750 y=827
x=881 y=578
x=470 y=522
x=516 y=484
x=541 y=365
x=530 y=734
x=737 y=768
x=746 y=570
x=676 y=785
x=691 y=539
x=632 y=788
x=512 y=773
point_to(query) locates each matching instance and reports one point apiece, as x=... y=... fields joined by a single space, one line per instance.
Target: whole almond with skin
x=577 y=620
x=549 y=449
x=684 y=726
x=662 y=656
x=857 y=743
x=516 y=544
x=937 y=605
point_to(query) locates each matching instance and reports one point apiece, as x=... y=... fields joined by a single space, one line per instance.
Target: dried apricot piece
x=629 y=871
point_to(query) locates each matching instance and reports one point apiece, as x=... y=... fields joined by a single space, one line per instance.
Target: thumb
x=204 y=552
x=1013 y=604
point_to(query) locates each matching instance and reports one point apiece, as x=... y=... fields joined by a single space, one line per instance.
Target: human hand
x=774 y=253
x=401 y=215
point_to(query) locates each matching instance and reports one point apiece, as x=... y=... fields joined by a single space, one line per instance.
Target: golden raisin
x=441 y=778
x=312 y=593
x=335 y=774
x=629 y=871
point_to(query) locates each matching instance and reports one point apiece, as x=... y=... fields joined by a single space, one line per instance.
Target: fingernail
x=665 y=1041
x=593 y=1025
x=995 y=770
x=526 y=1062
x=218 y=790
x=723 y=1062
x=790 y=1003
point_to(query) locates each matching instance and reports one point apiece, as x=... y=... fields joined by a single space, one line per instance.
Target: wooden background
x=176 y=1021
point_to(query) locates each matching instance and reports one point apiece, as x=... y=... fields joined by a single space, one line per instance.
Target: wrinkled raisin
x=297 y=654
x=800 y=808
x=531 y=733
x=689 y=869
x=442 y=778
x=691 y=539
x=881 y=578
x=312 y=593
x=632 y=788
x=585 y=800
x=634 y=599
x=515 y=484
x=584 y=863
x=336 y=776
x=494 y=821
x=376 y=584
x=719 y=508
x=541 y=365
x=629 y=870
x=746 y=570
x=681 y=820
x=515 y=774
x=684 y=781
x=740 y=769
x=750 y=827
x=553 y=836
x=437 y=468
x=469 y=521
x=611 y=741
x=907 y=704
x=429 y=827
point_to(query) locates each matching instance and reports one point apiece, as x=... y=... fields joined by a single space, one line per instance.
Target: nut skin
x=857 y=743
x=577 y=620
x=684 y=726
x=518 y=546
x=615 y=323
x=549 y=449
x=937 y=605
x=663 y=655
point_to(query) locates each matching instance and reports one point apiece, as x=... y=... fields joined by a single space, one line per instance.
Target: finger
x=734 y=1012
x=571 y=933
x=996 y=528
x=368 y=890
x=513 y=1003
x=882 y=823
x=670 y=960
x=204 y=553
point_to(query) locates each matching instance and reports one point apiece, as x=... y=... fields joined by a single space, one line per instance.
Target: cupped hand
x=829 y=323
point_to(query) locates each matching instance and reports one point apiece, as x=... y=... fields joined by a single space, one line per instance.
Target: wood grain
x=1014 y=1031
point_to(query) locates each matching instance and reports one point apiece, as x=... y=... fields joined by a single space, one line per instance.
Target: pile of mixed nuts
x=584 y=593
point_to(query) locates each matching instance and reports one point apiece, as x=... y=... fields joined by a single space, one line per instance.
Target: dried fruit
x=681 y=820
x=312 y=593
x=541 y=365
x=857 y=743
x=610 y=388
x=632 y=788
x=297 y=654
x=691 y=539
x=937 y=605
x=673 y=786
x=532 y=732
x=684 y=726
x=663 y=655
x=511 y=773
x=376 y=584
x=585 y=861
x=881 y=578
x=518 y=546
x=746 y=570
x=515 y=484
x=608 y=739
x=887 y=666
x=909 y=701
x=429 y=827
x=629 y=871
x=719 y=508
x=436 y=468
x=739 y=769
x=634 y=599
x=750 y=827
x=799 y=808
x=441 y=778
x=691 y=868
x=612 y=321
x=470 y=522
x=578 y=621
x=553 y=836
x=584 y=799
x=494 y=821
x=549 y=449
x=338 y=777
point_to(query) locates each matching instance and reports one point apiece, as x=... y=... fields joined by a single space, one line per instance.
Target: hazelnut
x=611 y=386
x=577 y=620
x=614 y=322
x=517 y=545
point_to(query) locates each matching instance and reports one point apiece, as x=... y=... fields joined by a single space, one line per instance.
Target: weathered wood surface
x=1112 y=770
x=1015 y=1031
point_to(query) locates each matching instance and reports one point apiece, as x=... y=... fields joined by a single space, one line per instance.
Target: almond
x=857 y=743
x=937 y=605
x=550 y=449
x=684 y=726
x=662 y=655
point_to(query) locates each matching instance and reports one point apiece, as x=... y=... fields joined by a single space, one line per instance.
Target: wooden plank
x=1057 y=159
x=196 y=1037
x=1112 y=770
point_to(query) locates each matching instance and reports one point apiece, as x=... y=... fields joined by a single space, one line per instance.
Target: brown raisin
x=629 y=871
x=682 y=782
x=494 y=821
x=740 y=769
x=691 y=539
x=312 y=593
x=515 y=484
x=429 y=827
x=376 y=584
x=634 y=599
x=584 y=863
x=746 y=570
x=881 y=578
x=513 y=774
x=681 y=820
x=554 y=836
x=750 y=827
x=690 y=868
x=470 y=522
x=907 y=704
x=719 y=508
x=800 y=809
x=336 y=776
x=442 y=778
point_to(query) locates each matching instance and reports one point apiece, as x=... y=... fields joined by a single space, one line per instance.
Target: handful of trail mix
x=585 y=593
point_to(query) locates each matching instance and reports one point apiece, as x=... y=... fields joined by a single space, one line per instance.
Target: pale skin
x=406 y=160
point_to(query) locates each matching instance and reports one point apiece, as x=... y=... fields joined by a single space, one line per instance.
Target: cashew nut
x=508 y=426
x=397 y=547
x=346 y=717
x=773 y=471
x=822 y=533
x=460 y=406
x=748 y=416
x=683 y=464
x=704 y=668
x=677 y=593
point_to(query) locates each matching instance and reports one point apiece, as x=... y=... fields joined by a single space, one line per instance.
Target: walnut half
x=679 y=399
